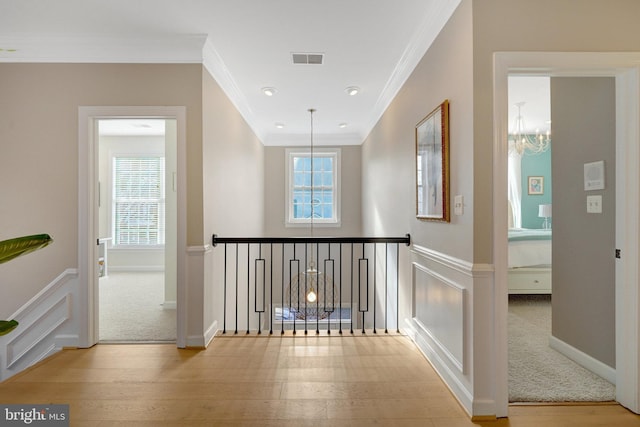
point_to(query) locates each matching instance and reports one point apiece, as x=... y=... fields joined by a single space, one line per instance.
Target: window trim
x=290 y=154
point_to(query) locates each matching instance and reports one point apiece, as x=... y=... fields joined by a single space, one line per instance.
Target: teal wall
x=535 y=165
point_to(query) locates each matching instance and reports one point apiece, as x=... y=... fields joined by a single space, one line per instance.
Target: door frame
x=625 y=67
x=88 y=118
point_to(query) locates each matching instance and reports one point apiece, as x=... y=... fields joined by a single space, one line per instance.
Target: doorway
x=561 y=316
x=623 y=67
x=137 y=229
x=88 y=213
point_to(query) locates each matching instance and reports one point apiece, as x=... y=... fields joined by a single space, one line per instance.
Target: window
x=316 y=194
x=138 y=201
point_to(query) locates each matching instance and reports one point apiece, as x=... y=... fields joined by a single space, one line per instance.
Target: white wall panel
x=439 y=310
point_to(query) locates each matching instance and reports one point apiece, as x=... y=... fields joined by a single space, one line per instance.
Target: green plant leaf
x=7 y=326
x=12 y=248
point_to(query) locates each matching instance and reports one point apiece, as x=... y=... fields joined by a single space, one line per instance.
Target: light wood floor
x=268 y=381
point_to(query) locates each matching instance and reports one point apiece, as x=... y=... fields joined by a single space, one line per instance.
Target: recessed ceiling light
x=342 y=125
x=269 y=91
x=280 y=125
x=352 y=90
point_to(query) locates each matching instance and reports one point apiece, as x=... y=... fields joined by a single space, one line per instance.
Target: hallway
x=267 y=381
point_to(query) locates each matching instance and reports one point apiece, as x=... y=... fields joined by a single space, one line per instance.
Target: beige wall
x=553 y=26
x=389 y=208
x=39 y=154
x=459 y=67
x=388 y=158
x=233 y=196
x=233 y=165
x=275 y=184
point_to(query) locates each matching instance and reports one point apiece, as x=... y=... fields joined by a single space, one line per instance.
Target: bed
x=529 y=261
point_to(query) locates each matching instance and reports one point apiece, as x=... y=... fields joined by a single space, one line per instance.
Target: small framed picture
x=536 y=185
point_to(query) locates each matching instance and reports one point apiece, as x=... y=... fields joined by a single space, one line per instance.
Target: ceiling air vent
x=308 y=58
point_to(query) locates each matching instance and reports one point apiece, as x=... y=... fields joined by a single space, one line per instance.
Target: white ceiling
x=535 y=93
x=131 y=127
x=247 y=45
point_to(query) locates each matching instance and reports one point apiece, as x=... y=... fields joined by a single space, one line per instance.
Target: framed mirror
x=432 y=165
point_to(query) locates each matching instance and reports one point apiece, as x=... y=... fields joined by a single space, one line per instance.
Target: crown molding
x=300 y=140
x=213 y=63
x=431 y=26
x=100 y=48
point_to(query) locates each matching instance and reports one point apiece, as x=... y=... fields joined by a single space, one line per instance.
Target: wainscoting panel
x=451 y=323
x=47 y=322
x=28 y=338
x=439 y=311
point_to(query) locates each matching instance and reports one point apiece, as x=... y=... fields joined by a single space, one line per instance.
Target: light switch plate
x=458 y=205
x=594 y=204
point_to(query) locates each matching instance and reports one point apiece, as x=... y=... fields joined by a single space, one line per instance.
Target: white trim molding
x=100 y=48
x=445 y=260
x=47 y=323
x=413 y=53
x=625 y=67
x=583 y=359
x=459 y=388
x=470 y=287
x=334 y=153
x=198 y=335
x=449 y=314
x=213 y=63
x=87 y=212
x=169 y=305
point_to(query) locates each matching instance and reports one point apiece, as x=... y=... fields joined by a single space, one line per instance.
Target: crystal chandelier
x=521 y=142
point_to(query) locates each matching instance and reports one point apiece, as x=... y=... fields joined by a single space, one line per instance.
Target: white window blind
x=139 y=200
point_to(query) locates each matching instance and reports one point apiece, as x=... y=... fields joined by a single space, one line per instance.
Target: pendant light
x=310 y=290
x=312 y=273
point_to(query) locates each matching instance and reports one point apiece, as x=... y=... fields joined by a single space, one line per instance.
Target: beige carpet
x=131 y=308
x=537 y=373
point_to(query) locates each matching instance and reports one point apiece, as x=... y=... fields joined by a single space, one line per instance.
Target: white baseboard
x=67 y=341
x=169 y=305
x=583 y=359
x=210 y=333
x=202 y=341
x=459 y=391
x=135 y=268
x=195 y=341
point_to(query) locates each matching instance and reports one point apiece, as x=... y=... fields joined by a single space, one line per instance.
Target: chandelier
x=521 y=142
x=311 y=294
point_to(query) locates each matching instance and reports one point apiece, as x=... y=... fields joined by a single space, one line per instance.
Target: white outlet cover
x=594 y=204
x=458 y=205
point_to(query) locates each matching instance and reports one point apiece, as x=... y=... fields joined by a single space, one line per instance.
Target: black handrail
x=215 y=240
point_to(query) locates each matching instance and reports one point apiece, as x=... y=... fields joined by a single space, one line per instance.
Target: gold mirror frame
x=432 y=165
